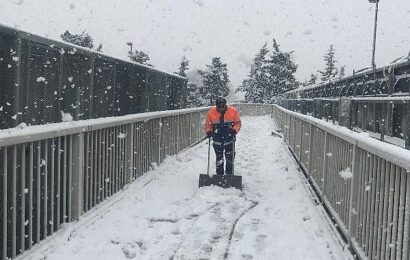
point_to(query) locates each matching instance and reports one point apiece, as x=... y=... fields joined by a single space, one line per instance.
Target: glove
x=209 y=134
x=233 y=131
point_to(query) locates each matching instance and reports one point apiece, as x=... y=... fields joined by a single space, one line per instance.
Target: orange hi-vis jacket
x=221 y=127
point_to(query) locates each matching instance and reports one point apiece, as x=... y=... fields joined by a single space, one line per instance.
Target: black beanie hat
x=220 y=101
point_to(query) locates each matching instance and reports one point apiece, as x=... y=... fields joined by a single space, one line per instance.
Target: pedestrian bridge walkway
x=126 y=188
x=163 y=215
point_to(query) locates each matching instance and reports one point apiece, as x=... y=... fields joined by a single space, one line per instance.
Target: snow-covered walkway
x=163 y=215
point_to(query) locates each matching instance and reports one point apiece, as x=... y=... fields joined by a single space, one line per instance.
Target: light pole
x=374 y=32
x=130 y=44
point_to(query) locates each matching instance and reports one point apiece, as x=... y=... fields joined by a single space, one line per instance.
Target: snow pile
x=346 y=174
x=66 y=117
x=163 y=215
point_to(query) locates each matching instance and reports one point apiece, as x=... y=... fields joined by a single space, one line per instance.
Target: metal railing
x=41 y=78
x=363 y=182
x=252 y=109
x=385 y=118
x=52 y=174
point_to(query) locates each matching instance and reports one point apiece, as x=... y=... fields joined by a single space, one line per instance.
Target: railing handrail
x=389 y=152
x=39 y=132
x=366 y=98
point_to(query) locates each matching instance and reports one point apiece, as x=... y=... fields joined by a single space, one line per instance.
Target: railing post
x=389 y=120
x=353 y=193
x=159 y=140
x=130 y=153
x=77 y=176
x=301 y=142
x=310 y=149
x=178 y=136
x=324 y=168
x=382 y=122
x=406 y=127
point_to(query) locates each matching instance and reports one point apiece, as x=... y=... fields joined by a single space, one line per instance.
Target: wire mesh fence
x=44 y=79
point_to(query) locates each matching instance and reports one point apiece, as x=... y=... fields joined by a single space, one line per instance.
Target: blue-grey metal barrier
x=52 y=174
x=364 y=183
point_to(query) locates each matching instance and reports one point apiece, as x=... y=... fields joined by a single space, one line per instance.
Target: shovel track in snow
x=254 y=204
x=195 y=217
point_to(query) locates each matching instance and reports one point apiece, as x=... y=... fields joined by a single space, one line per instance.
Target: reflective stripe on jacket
x=222 y=127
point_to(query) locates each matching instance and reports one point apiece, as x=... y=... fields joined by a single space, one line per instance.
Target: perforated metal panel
x=104 y=88
x=8 y=67
x=40 y=79
x=76 y=84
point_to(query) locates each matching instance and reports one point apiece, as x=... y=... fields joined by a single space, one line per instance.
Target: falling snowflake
x=122 y=135
x=41 y=79
x=346 y=174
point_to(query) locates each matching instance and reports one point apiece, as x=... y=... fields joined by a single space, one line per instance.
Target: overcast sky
x=232 y=29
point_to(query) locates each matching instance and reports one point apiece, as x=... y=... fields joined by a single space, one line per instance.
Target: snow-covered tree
x=330 y=71
x=342 y=72
x=183 y=67
x=193 y=97
x=83 y=39
x=215 y=80
x=195 y=85
x=257 y=83
x=281 y=70
x=313 y=79
x=139 y=57
x=272 y=73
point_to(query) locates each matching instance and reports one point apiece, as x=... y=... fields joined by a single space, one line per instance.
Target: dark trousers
x=229 y=156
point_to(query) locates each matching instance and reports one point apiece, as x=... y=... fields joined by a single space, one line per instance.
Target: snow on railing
x=363 y=182
x=52 y=174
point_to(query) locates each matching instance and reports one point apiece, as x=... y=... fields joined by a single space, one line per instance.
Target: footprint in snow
x=247 y=257
x=207 y=248
x=306 y=218
x=131 y=250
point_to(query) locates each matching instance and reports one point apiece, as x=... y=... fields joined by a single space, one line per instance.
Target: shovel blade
x=224 y=181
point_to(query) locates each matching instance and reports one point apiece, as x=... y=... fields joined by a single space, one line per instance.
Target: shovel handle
x=209 y=155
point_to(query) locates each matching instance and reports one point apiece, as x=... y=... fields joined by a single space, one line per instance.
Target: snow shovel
x=224 y=181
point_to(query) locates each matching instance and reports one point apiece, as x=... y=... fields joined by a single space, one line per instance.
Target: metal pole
x=209 y=155
x=374 y=37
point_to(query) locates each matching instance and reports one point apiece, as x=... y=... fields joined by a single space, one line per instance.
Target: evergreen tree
x=83 y=39
x=195 y=86
x=193 y=97
x=272 y=73
x=99 y=48
x=313 y=79
x=183 y=67
x=342 y=72
x=330 y=71
x=281 y=70
x=215 y=80
x=139 y=57
x=258 y=80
